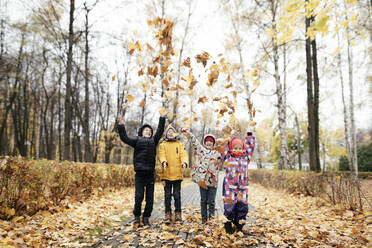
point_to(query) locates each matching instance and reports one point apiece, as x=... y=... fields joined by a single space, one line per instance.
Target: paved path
x=149 y=237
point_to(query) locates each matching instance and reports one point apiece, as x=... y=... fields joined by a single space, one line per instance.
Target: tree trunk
x=284 y=154
x=87 y=149
x=351 y=106
x=175 y=106
x=298 y=143
x=310 y=100
x=68 y=105
x=316 y=103
x=346 y=122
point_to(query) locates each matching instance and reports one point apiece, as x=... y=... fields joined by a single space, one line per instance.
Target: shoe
x=228 y=227
x=204 y=220
x=137 y=220
x=239 y=227
x=145 y=221
x=211 y=216
x=178 y=217
x=168 y=217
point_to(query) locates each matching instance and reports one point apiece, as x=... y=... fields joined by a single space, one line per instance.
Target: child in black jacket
x=144 y=164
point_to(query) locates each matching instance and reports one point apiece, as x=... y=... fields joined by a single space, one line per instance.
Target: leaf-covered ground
x=280 y=220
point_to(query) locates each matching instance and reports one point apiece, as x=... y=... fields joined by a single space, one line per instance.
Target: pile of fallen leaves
x=78 y=224
x=279 y=220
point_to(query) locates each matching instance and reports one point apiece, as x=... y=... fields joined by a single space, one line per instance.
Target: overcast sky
x=119 y=18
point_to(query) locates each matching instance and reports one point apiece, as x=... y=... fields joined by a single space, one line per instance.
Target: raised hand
x=121 y=120
x=165 y=112
x=183 y=129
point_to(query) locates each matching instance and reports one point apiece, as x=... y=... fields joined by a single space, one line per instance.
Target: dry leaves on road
x=76 y=225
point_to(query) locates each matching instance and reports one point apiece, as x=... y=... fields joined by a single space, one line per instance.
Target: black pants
x=144 y=182
x=176 y=186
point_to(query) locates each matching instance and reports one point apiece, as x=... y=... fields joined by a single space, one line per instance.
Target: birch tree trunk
x=353 y=146
x=346 y=121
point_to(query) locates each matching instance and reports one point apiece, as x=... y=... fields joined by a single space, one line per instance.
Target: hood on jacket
x=234 y=141
x=209 y=135
x=143 y=127
x=166 y=132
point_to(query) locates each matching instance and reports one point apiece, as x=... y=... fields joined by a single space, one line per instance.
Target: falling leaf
x=228 y=86
x=212 y=77
x=142 y=104
x=180 y=87
x=140 y=72
x=149 y=47
x=203 y=99
x=113 y=78
x=202 y=58
x=165 y=82
x=255 y=73
x=186 y=62
x=130 y=98
x=252 y=123
x=124 y=105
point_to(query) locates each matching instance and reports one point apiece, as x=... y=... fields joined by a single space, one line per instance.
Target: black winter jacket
x=144 y=148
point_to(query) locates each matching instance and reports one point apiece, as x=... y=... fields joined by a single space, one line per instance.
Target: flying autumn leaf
x=203 y=99
x=140 y=72
x=161 y=110
x=165 y=82
x=228 y=86
x=252 y=123
x=113 y=78
x=142 y=104
x=212 y=77
x=130 y=98
x=202 y=58
x=124 y=105
x=186 y=62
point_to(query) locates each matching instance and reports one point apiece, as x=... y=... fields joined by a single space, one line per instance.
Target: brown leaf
x=202 y=58
x=186 y=62
x=113 y=78
x=165 y=82
x=140 y=72
x=203 y=99
x=142 y=104
x=228 y=86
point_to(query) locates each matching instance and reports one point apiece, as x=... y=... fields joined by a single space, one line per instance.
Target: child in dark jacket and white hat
x=144 y=164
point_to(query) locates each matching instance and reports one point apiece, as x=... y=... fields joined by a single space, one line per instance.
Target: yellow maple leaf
x=130 y=98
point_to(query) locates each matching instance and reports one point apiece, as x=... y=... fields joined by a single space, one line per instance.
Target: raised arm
x=159 y=130
x=125 y=138
x=250 y=142
x=193 y=140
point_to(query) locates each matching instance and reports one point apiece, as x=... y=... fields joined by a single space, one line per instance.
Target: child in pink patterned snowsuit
x=235 y=185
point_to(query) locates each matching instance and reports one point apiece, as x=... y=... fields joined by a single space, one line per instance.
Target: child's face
x=146 y=132
x=208 y=144
x=237 y=148
x=171 y=134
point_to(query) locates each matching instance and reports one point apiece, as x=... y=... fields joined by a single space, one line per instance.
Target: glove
x=184 y=165
x=164 y=164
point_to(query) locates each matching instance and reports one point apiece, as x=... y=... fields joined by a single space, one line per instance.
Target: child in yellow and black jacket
x=173 y=158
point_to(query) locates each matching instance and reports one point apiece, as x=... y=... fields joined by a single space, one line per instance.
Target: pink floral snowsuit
x=235 y=183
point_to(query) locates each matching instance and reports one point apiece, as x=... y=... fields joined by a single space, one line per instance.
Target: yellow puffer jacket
x=174 y=153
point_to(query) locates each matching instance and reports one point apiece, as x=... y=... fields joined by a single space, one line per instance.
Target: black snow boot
x=228 y=227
